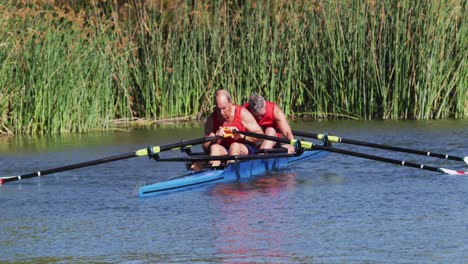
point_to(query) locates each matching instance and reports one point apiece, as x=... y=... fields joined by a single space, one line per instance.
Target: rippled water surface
x=338 y=209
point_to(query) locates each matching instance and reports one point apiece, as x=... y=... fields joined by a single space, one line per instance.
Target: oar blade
x=454 y=172
x=8 y=179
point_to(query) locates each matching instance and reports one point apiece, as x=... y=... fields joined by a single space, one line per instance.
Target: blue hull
x=233 y=172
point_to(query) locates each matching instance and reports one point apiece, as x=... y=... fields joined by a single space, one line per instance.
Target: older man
x=227 y=114
x=272 y=119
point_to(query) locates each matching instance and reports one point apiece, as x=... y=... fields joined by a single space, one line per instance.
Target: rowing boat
x=235 y=171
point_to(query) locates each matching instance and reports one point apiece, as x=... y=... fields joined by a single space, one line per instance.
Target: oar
x=380 y=146
x=310 y=146
x=138 y=153
x=228 y=157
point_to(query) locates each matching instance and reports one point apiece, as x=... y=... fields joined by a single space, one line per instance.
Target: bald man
x=227 y=114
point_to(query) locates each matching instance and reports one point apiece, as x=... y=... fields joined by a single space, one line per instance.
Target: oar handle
x=261 y=136
x=380 y=146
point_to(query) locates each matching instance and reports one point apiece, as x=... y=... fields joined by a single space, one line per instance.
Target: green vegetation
x=81 y=65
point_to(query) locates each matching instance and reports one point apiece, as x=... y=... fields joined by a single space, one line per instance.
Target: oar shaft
x=68 y=167
x=174 y=146
x=377 y=158
x=138 y=153
x=374 y=145
x=227 y=157
x=186 y=143
x=310 y=145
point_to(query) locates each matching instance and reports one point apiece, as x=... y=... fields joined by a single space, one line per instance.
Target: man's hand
x=229 y=132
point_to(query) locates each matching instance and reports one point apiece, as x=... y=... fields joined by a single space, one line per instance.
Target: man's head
x=223 y=103
x=257 y=105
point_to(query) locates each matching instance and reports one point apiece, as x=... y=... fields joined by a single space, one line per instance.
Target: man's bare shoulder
x=278 y=111
x=245 y=113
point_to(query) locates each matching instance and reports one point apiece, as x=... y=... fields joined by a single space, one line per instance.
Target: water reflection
x=270 y=184
x=141 y=135
x=254 y=218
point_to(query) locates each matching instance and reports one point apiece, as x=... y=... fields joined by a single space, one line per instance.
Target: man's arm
x=208 y=133
x=250 y=125
x=283 y=123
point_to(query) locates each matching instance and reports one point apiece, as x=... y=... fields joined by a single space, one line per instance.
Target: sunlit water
x=338 y=209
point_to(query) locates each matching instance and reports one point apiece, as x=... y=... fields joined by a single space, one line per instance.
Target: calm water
x=336 y=210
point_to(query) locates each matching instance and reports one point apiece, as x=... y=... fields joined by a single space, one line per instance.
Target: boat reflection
x=270 y=184
x=254 y=219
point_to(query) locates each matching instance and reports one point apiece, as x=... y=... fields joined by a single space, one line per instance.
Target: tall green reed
x=78 y=65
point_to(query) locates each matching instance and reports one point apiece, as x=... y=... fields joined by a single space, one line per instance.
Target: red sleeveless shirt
x=236 y=122
x=268 y=119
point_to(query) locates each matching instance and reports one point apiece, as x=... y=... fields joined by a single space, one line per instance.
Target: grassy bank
x=76 y=67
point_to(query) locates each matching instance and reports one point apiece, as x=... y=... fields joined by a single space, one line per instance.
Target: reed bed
x=74 y=66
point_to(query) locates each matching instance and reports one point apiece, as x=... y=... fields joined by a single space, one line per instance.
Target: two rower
x=257 y=112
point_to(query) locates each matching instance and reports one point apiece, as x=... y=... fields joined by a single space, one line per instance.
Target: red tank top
x=268 y=119
x=236 y=122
